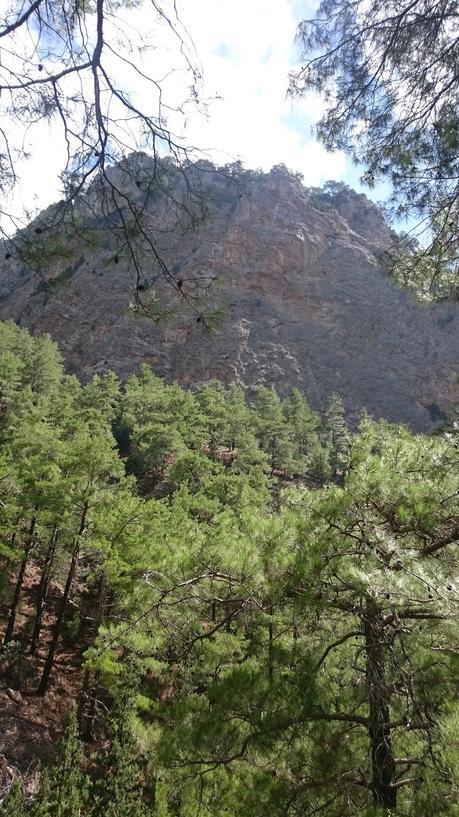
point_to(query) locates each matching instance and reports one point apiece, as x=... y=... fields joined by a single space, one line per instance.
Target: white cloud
x=246 y=51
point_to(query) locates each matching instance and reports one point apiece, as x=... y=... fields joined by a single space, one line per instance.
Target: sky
x=245 y=50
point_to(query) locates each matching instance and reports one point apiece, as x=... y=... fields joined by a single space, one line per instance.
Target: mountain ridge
x=306 y=302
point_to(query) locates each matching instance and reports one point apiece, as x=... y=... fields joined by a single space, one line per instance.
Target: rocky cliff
x=305 y=301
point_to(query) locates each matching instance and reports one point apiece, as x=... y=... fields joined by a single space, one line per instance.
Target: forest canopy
x=251 y=608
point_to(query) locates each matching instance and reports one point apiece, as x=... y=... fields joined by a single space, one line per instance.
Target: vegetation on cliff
x=238 y=606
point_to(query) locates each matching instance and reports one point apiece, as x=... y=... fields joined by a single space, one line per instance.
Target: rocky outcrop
x=305 y=302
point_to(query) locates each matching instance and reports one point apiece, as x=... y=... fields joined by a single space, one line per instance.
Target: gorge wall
x=305 y=301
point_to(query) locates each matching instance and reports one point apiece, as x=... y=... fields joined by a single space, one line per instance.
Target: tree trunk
x=270 y=645
x=43 y=591
x=294 y=642
x=382 y=757
x=17 y=591
x=8 y=559
x=43 y=685
x=87 y=708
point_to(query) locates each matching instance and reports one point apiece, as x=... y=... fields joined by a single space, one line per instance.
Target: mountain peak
x=294 y=272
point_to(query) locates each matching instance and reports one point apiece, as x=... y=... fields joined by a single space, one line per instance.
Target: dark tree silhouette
x=389 y=75
x=83 y=68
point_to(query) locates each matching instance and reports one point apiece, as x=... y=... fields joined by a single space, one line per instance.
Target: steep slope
x=305 y=302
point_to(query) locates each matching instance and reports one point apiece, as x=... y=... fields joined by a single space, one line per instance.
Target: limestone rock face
x=305 y=302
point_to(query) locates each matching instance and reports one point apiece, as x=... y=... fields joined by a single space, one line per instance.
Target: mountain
x=297 y=276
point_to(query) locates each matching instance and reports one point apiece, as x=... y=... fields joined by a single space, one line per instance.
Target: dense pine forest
x=219 y=602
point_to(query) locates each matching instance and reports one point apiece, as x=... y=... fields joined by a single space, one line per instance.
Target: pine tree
x=304 y=424
x=14 y=805
x=329 y=687
x=64 y=787
x=212 y=400
x=117 y=789
x=337 y=437
x=273 y=431
x=240 y=417
x=92 y=468
x=276 y=651
x=101 y=394
x=247 y=454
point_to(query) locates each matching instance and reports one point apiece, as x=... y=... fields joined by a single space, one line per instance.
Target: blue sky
x=247 y=48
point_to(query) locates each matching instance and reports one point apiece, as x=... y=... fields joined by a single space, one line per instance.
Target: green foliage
x=30 y=370
x=337 y=437
x=64 y=788
x=273 y=431
x=432 y=275
x=118 y=786
x=387 y=72
x=14 y=804
x=245 y=634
